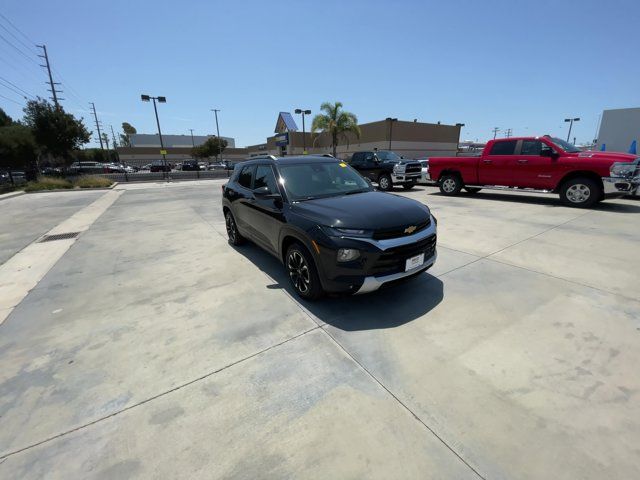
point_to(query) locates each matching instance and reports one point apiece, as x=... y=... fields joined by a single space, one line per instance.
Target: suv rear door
x=266 y=215
x=496 y=167
x=244 y=199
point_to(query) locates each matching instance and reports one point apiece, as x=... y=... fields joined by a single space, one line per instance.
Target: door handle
x=487 y=161
x=522 y=160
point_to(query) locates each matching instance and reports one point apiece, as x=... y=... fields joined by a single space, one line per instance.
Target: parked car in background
x=51 y=171
x=387 y=169
x=12 y=177
x=332 y=231
x=547 y=164
x=217 y=166
x=145 y=168
x=190 y=166
x=160 y=166
x=79 y=168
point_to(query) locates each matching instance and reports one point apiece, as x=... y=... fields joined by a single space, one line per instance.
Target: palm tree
x=335 y=122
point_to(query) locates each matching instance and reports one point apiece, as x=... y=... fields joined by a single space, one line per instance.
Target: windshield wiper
x=356 y=191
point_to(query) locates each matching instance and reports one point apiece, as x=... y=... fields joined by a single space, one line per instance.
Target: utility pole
x=215 y=111
x=193 y=144
x=113 y=136
x=95 y=116
x=52 y=84
x=495 y=132
x=508 y=132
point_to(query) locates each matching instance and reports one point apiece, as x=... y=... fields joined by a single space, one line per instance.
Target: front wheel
x=303 y=273
x=580 y=192
x=450 y=184
x=385 y=183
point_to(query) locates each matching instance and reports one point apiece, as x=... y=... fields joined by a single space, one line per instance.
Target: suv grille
x=393 y=260
x=400 y=231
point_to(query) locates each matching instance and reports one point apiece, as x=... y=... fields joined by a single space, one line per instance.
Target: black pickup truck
x=387 y=169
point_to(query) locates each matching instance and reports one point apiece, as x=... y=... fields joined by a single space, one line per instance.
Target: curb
x=7 y=196
x=92 y=189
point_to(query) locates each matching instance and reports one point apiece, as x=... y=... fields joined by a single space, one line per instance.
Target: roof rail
x=270 y=157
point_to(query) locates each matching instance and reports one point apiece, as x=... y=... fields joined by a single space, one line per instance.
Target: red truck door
x=496 y=166
x=536 y=166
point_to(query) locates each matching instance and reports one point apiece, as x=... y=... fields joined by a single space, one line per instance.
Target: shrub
x=90 y=181
x=47 y=183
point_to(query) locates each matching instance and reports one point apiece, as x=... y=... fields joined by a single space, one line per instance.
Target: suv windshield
x=388 y=157
x=566 y=146
x=307 y=181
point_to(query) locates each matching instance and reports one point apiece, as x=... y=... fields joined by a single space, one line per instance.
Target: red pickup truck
x=545 y=164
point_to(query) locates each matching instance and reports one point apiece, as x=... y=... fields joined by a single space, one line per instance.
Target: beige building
x=406 y=138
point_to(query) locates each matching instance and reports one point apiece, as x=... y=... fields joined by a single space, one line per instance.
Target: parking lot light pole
x=570 y=120
x=193 y=144
x=304 y=133
x=390 y=120
x=215 y=111
x=146 y=98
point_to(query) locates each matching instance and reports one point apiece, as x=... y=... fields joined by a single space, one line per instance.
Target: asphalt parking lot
x=152 y=349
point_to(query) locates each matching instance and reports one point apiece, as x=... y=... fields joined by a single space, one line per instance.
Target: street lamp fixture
x=390 y=120
x=570 y=121
x=304 y=133
x=146 y=98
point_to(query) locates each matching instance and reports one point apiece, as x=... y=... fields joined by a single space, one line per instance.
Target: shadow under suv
x=328 y=226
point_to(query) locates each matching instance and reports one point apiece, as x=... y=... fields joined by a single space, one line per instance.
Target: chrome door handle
x=523 y=161
x=487 y=161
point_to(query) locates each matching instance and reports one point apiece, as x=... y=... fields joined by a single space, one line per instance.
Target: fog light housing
x=347 y=254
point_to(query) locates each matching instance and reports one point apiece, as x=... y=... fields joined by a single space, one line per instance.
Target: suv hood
x=367 y=210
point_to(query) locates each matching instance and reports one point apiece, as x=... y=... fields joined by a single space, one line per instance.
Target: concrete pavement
x=153 y=349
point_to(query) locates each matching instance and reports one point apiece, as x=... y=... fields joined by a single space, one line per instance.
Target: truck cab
x=386 y=168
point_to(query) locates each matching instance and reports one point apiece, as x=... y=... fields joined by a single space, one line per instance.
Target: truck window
x=356 y=159
x=507 y=147
x=531 y=147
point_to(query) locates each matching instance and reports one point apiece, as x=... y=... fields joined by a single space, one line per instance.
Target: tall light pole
x=193 y=144
x=495 y=132
x=571 y=120
x=215 y=111
x=304 y=133
x=146 y=98
x=390 y=120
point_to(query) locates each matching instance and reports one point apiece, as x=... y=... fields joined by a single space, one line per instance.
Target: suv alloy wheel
x=302 y=272
x=232 y=230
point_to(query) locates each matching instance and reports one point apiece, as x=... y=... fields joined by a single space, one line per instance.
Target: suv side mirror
x=266 y=193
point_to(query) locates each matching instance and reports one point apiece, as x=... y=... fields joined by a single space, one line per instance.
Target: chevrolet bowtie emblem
x=410 y=230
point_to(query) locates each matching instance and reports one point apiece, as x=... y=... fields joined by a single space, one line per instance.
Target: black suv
x=330 y=228
x=387 y=168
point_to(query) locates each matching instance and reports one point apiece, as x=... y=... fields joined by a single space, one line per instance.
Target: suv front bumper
x=620 y=186
x=372 y=283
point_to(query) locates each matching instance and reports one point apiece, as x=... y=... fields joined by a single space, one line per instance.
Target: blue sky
x=510 y=64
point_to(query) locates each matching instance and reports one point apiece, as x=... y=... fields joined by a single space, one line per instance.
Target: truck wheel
x=472 y=189
x=303 y=273
x=450 y=184
x=235 y=238
x=385 y=183
x=409 y=186
x=580 y=192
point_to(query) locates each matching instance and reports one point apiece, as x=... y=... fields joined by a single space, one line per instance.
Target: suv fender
x=288 y=236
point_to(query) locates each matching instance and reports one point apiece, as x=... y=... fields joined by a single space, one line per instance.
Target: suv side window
x=506 y=147
x=265 y=178
x=246 y=176
x=531 y=147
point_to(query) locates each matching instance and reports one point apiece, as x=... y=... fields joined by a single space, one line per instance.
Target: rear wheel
x=235 y=238
x=472 y=189
x=303 y=273
x=385 y=183
x=580 y=192
x=450 y=184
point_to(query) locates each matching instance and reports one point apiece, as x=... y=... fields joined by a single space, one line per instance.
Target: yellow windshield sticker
x=342 y=164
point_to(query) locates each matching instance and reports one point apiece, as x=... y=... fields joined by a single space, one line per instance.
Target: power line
x=11 y=100
x=2 y=79
x=14 y=90
x=25 y=55
x=28 y=47
x=17 y=29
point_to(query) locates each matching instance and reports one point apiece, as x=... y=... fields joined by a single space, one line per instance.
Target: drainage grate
x=58 y=236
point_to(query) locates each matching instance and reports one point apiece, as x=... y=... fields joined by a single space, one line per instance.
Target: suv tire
x=580 y=192
x=450 y=184
x=302 y=272
x=235 y=238
x=385 y=183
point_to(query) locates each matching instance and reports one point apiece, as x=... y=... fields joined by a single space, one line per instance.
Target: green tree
x=125 y=138
x=335 y=122
x=5 y=120
x=18 y=148
x=56 y=132
x=212 y=147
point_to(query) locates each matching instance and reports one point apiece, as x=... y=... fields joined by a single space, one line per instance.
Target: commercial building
x=619 y=129
x=411 y=139
x=139 y=140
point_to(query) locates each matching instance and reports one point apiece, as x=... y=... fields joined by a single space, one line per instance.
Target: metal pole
x=304 y=137
x=93 y=105
x=192 y=142
x=51 y=82
x=164 y=158
x=570 y=125
x=215 y=111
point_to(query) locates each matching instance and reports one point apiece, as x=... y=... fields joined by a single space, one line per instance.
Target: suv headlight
x=622 y=170
x=347 y=232
x=347 y=254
